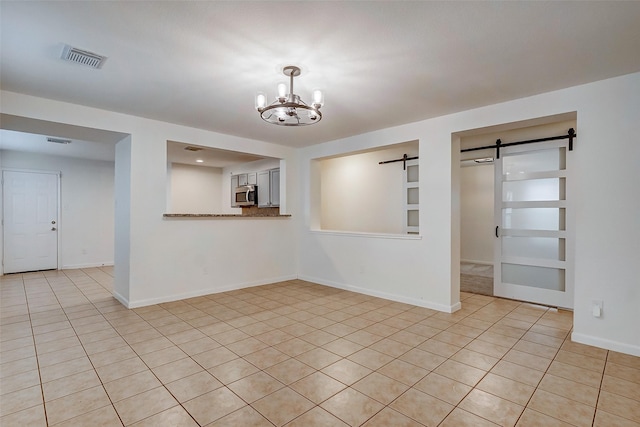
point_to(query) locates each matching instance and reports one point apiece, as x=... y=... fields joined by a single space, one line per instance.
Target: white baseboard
x=201 y=292
x=620 y=347
x=193 y=294
x=89 y=265
x=121 y=298
x=385 y=295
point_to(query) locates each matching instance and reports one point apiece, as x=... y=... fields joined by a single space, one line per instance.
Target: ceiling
x=31 y=135
x=380 y=64
x=37 y=143
x=177 y=152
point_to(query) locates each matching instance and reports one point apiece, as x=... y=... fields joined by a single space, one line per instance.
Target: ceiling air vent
x=190 y=148
x=83 y=57
x=58 y=140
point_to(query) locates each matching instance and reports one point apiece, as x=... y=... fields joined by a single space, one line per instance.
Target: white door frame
x=58 y=213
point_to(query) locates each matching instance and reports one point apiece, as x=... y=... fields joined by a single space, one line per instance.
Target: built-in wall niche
x=199 y=177
x=354 y=192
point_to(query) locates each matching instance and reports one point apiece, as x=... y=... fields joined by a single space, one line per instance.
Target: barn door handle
x=497 y=228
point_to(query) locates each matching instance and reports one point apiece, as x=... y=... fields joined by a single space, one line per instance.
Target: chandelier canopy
x=288 y=109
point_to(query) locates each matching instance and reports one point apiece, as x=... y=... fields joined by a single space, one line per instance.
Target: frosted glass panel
x=534 y=161
x=413 y=196
x=533 y=190
x=412 y=173
x=412 y=218
x=537 y=277
x=534 y=218
x=534 y=247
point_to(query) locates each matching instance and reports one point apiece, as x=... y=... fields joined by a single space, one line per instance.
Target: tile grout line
x=501 y=358
x=541 y=378
x=232 y=311
x=87 y=354
x=595 y=412
x=83 y=349
x=35 y=348
x=138 y=355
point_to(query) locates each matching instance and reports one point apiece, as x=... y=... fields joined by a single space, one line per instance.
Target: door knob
x=53 y=229
x=53 y=222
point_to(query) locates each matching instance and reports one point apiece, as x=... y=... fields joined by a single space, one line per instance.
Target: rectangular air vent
x=190 y=148
x=58 y=140
x=83 y=57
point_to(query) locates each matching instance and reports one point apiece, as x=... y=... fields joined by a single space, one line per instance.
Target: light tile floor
x=297 y=354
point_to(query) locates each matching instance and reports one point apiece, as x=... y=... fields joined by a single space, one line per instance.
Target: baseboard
x=385 y=295
x=201 y=292
x=75 y=266
x=121 y=298
x=620 y=347
x=89 y=265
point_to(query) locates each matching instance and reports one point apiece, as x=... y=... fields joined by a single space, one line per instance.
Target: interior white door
x=533 y=235
x=30 y=216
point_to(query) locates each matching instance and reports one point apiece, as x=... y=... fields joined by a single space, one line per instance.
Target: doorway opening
x=73 y=220
x=500 y=257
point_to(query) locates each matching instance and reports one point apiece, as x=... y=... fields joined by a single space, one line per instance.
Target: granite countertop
x=265 y=215
x=247 y=212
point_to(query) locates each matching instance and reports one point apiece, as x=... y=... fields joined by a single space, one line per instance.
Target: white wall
x=122 y=265
x=86 y=223
x=413 y=269
x=424 y=271
x=168 y=258
x=358 y=194
x=476 y=214
x=173 y=259
x=195 y=189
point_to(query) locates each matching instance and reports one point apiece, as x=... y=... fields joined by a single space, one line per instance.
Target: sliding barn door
x=533 y=235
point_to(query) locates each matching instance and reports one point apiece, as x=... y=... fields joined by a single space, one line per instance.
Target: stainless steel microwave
x=246 y=195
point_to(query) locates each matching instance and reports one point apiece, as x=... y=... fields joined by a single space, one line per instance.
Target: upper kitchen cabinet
x=269 y=188
x=243 y=179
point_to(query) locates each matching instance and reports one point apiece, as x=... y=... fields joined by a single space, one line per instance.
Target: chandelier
x=288 y=109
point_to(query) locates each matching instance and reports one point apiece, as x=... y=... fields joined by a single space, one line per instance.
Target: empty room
x=346 y=213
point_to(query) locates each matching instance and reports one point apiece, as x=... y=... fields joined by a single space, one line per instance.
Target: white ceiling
x=211 y=157
x=36 y=143
x=380 y=63
x=30 y=135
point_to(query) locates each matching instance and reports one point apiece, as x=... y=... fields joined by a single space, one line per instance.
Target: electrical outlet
x=596 y=308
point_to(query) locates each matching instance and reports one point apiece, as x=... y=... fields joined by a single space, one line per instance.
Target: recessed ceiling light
x=199 y=161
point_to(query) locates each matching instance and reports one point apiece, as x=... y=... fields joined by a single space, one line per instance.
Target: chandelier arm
x=291 y=86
